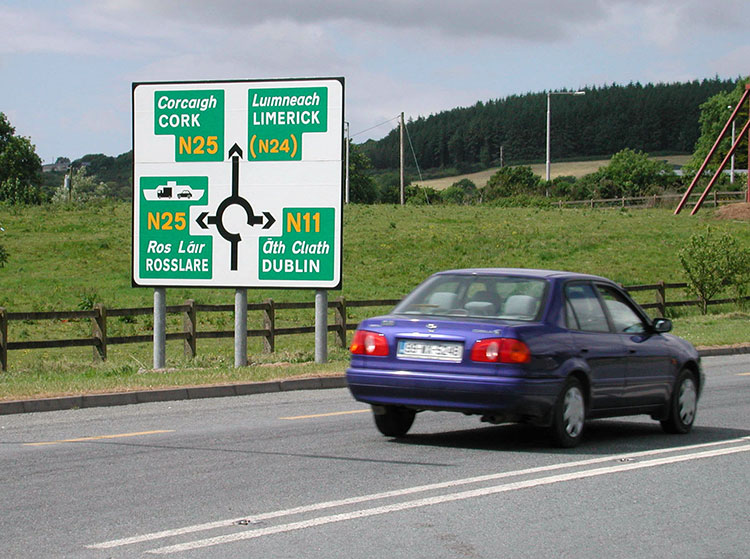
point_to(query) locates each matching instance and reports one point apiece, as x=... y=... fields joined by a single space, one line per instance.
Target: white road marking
x=403 y=492
x=440 y=499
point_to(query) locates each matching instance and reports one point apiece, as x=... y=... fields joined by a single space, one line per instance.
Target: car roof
x=523 y=272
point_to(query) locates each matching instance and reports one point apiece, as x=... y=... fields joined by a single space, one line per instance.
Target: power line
x=376 y=126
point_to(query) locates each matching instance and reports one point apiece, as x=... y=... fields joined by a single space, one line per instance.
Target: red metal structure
x=723 y=164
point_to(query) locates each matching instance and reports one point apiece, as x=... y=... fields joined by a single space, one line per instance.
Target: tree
x=20 y=167
x=713 y=263
x=362 y=187
x=714 y=114
x=84 y=188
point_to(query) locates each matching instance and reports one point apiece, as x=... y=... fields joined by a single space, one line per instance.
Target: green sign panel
x=305 y=250
x=278 y=117
x=167 y=249
x=196 y=119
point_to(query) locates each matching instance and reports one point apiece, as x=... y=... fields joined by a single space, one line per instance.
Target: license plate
x=428 y=349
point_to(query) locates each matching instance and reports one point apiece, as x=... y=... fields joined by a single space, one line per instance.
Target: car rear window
x=477 y=296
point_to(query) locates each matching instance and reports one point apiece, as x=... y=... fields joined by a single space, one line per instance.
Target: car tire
x=569 y=415
x=393 y=421
x=683 y=404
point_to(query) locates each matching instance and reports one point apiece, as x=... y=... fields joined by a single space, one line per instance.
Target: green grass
x=65 y=259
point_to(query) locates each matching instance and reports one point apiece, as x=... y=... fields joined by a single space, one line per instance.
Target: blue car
x=513 y=345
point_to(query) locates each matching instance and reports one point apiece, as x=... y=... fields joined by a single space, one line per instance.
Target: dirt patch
x=734 y=211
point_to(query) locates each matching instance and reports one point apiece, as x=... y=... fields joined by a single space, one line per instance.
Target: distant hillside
x=661 y=118
x=658 y=119
x=575 y=169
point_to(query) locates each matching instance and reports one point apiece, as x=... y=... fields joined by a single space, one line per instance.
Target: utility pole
x=68 y=184
x=401 y=130
x=347 y=162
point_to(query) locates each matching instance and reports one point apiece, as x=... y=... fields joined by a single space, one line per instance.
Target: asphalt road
x=306 y=475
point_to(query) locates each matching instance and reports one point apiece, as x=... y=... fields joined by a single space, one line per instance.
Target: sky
x=67 y=68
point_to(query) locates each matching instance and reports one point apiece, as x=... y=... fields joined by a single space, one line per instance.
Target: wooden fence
x=654 y=201
x=99 y=315
x=100 y=341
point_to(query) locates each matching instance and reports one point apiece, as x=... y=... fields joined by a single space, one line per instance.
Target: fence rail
x=100 y=341
x=653 y=201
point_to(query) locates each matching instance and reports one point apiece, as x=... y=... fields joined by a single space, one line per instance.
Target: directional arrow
x=204 y=220
x=270 y=220
x=201 y=220
x=235 y=152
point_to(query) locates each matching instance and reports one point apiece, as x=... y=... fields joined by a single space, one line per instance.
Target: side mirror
x=662 y=325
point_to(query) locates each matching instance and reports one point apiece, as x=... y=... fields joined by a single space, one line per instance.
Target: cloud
x=531 y=20
x=416 y=56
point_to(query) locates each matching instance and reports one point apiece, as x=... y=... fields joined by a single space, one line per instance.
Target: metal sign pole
x=321 y=326
x=240 y=327
x=160 y=327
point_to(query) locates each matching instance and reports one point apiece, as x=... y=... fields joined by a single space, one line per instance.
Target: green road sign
x=305 y=248
x=279 y=118
x=196 y=119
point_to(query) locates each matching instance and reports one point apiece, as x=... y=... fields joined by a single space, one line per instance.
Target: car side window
x=624 y=318
x=583 y=311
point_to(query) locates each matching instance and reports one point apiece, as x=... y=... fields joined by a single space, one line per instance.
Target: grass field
x=557 y=169
x=65 y=259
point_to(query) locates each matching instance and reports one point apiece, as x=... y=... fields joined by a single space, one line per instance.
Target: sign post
x=238 y=184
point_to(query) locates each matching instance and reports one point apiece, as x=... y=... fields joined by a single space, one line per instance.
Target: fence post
x=340 y=313
x=269 y=324
x=3 y=340
x=661 y=298
x=99 y=332
x=190 y=327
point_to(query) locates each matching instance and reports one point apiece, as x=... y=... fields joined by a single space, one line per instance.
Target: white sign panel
x=238 y=183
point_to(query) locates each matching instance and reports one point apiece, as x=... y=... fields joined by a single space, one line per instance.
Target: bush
x=511 y=181
x=421 y=195
x=713 y=263
x=629 y=173
x=562 y=187
x=3 y=256
x=460 y=192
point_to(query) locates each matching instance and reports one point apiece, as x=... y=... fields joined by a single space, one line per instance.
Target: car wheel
x=393 y=421
x=682 y=405
x=569 y=415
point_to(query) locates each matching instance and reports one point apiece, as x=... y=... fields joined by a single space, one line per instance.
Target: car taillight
x=369 y=343
x=500 y=350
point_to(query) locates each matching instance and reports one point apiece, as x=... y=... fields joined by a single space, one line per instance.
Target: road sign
x=238 y=183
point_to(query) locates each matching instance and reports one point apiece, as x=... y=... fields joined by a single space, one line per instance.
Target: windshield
x=476 y=296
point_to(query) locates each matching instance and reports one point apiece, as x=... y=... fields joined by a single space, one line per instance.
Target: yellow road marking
x=324 y=414
x=100 y=437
